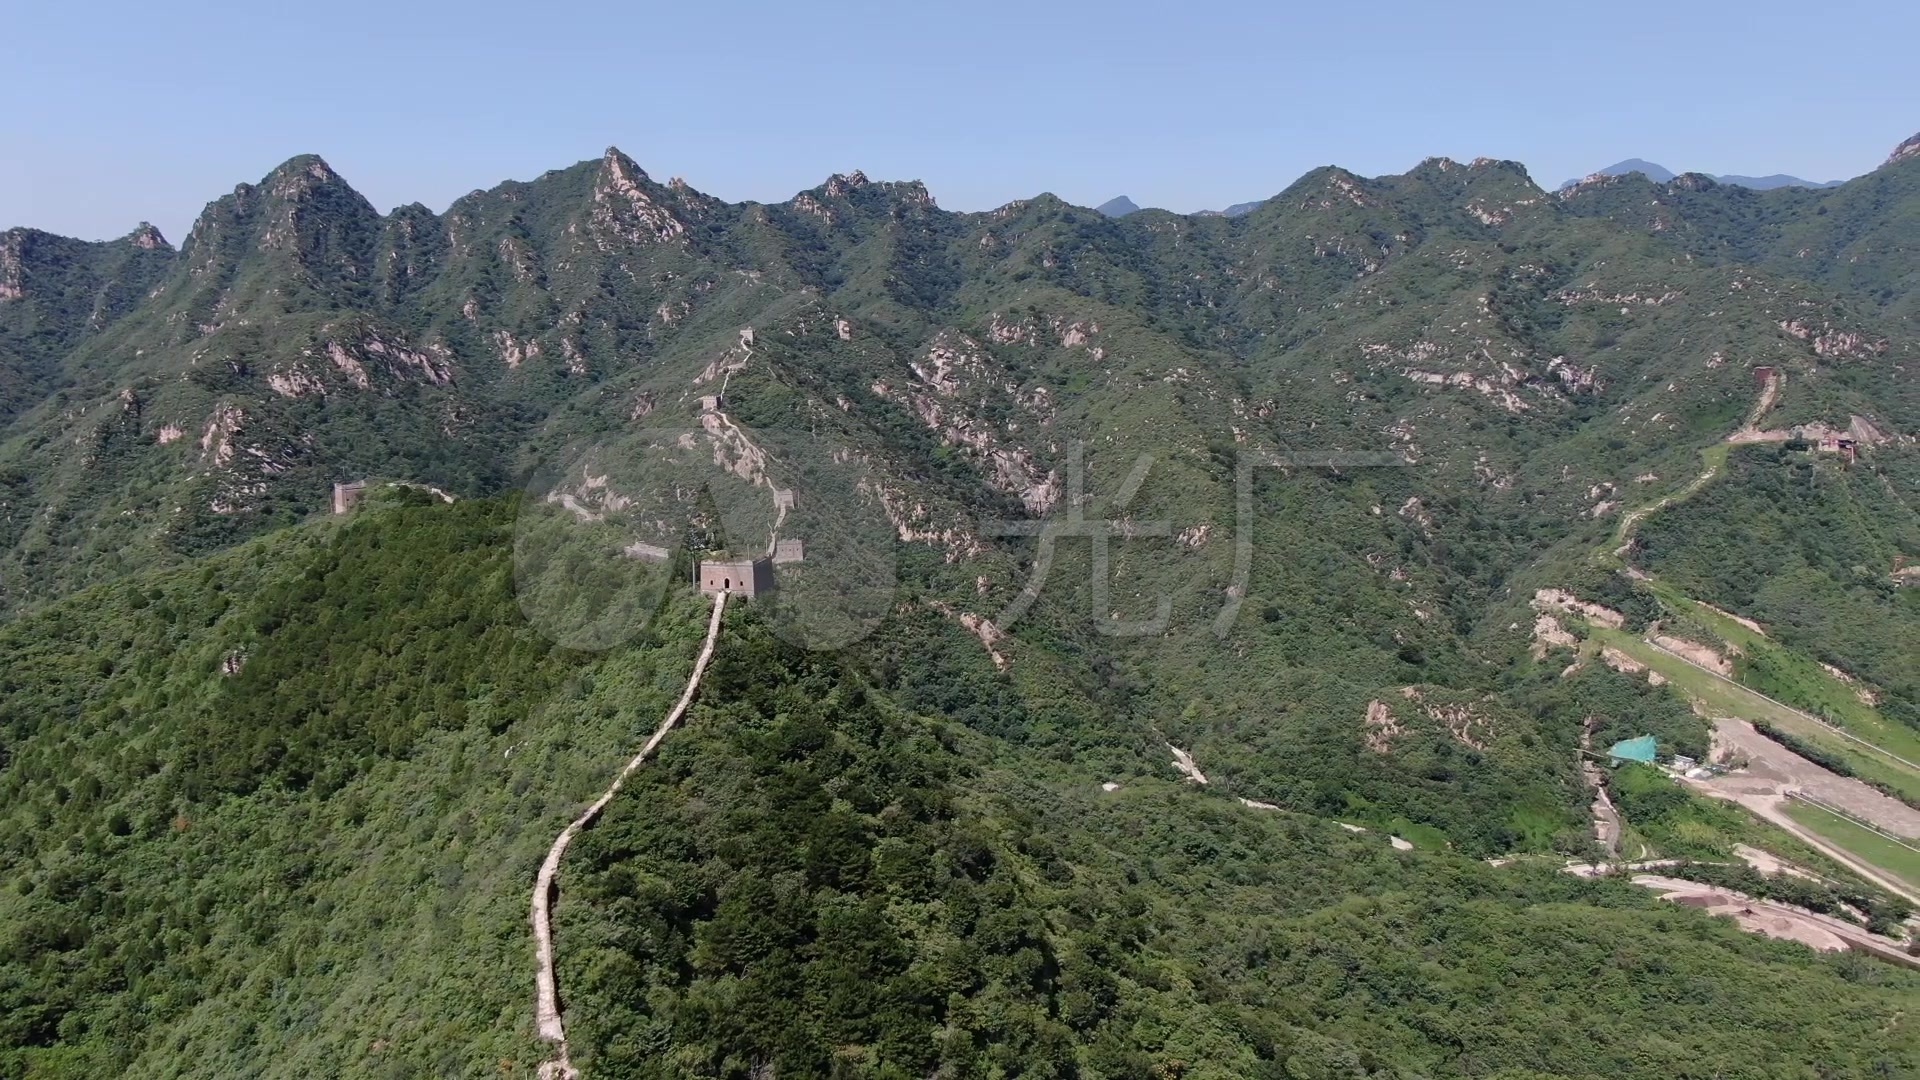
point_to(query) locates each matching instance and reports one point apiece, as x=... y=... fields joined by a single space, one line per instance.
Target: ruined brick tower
x=741 y=577
x=346 y=495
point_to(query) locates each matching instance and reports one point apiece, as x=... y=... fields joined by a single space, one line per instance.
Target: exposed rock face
x=12 y=287
x=839 y=184
x=1464 y=723
x=512 y=351
x=1499 y=386
x=979 y=626
x=1620 y=661
x=359 y=359
x=147 y=238
x=1704 y=655
x=623 y=209
x=216 y=443
x=1183 y=761
x=1910 y=148
x=1829 y=343
x=1548 y=634
x=956 y=380
x=1381 y=727
x=909 y=518
x=1561 y=600
x=295 y=382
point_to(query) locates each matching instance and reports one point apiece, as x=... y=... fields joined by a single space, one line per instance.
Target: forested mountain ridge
x=77 y=290
x=364 y=730
x=300 y=337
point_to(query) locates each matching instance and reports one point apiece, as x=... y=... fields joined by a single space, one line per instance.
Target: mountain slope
x=1039 y=458
x=1536 y=360
x=212 y=832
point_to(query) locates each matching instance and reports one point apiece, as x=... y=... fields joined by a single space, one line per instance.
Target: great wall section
x=547 y=1019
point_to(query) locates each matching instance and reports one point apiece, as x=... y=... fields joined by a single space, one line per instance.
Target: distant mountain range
x=1121 y=205
x=1660 y=174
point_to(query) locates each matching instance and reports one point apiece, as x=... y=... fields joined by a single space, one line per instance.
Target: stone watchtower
x=741 y=577
x=346 y=495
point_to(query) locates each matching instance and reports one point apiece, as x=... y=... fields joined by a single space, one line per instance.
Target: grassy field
x=1808 y=685
x=1699 y=827
x=1725 y=698
x=1892 y=856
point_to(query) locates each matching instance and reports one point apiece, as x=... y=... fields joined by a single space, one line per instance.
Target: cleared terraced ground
x=1721 y=697
x=1894 y=857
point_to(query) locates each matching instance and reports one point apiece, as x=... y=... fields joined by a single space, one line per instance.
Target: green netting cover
x=1640 y=749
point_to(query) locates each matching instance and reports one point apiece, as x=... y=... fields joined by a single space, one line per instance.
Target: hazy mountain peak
x=1659 y=174
x=1118 y=206
x=1774 y=180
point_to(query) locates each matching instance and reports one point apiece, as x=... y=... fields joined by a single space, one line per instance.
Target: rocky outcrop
x=1559 y=600
x=148 y=238
x=955 y=382
x=1908 y=149
x=1695 y=653
x=979 y=626
x=625 y=209
x=1549 y=634
x=216 y=442
x=12 y=272
x=1183 y=761
x=1381 y=727
x=357 y=359
x=911 y=521
x=1832 y=344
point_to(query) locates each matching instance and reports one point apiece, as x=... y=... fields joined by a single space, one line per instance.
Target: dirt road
x=1773 y=770
x=1822 y=932
x=546 y=992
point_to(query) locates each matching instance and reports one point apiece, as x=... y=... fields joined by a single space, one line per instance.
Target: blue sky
x=124 y=111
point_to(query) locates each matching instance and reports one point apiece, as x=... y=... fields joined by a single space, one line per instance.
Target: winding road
x=546 y=992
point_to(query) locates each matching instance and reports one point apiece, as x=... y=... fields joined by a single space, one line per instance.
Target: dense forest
x=814 y=878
